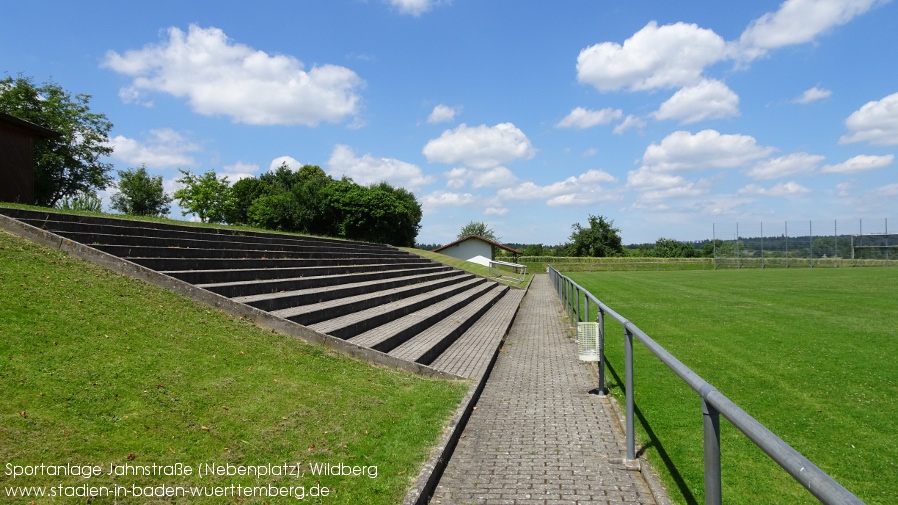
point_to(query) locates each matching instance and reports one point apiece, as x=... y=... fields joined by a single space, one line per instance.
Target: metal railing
x=576 y=301
x=518 y=272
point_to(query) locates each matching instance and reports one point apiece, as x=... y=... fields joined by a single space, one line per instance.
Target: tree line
x=302 y=201
x=70 y=171
x=599 y=238
x=305 y=201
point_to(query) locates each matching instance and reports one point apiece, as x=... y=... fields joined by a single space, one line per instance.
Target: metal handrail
x=519 y=270
x=714 y=404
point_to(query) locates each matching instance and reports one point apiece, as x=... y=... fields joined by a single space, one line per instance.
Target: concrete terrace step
x=398 y=333
x=355 y=322
x=372 y=295
x=225 y=276
x=308 y=315
x=212 y=242
x=471 y=355
x=431 y=342
x=168 y=264
x=265 y=286
x=124 y=251
x=68 y=227
x=282 y=300
x=42 y=219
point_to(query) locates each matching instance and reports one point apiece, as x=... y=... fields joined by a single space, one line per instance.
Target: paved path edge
x=429 y=476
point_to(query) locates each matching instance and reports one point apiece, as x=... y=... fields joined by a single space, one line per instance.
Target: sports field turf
x=809 y=353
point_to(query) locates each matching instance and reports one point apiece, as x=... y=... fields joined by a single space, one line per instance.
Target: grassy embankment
x=98 y=369
x=808 y=353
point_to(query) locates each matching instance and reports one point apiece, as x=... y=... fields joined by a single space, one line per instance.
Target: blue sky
x=664 y=116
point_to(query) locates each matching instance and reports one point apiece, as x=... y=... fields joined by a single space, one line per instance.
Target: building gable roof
x=20 y=124
x=478 y=237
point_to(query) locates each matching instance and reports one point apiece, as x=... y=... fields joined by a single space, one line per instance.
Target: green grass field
x=809 y=353
x=98 y=369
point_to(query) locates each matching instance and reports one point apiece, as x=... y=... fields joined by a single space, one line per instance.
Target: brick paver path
x=537 y=436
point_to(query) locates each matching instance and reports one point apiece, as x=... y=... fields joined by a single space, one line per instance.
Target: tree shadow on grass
x=654 y=442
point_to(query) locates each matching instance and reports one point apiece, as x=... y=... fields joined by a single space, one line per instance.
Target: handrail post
x=601 y=364
x=628 y=357
x=711 y=424
x=576 y=307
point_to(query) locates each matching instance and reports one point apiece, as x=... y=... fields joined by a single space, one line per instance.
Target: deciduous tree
x=207 y=196
x=600 y=239
x=140 y=194
x=69 y=165
x=478 y=228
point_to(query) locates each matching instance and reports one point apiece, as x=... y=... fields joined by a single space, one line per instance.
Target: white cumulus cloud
x=291 y=163
x=646 y=179
x=372 y=170
x=440 y=198
x=164 y=148
x=860 y=163
x=708 y=99
x=497 y=177
x=791 y=188
x=415 y=7
x=442 y=114
x=584 y=118
x=221 y=77
x=785 y=166
x=889 y=190
x=585 y=189
x=798 y=22
x=876 y=122
x=653 y=58
x=480 y=146
x=707 y=149
x=813 y=94
x=629 y=122
x=239 y=170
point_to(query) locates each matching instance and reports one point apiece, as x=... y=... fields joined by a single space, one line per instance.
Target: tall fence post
x=628 y=357
x=711 y=425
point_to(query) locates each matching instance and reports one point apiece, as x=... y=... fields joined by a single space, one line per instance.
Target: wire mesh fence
x=805 y=243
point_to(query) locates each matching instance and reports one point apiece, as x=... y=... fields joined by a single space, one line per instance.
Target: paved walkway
x=537 y=436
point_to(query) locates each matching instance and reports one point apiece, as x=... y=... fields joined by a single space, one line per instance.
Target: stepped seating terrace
x=371 y=295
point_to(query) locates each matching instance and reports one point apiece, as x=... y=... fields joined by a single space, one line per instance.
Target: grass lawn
x=98 y=369
x=810 y=353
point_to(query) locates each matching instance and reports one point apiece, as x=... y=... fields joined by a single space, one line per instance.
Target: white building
x=475 y=249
